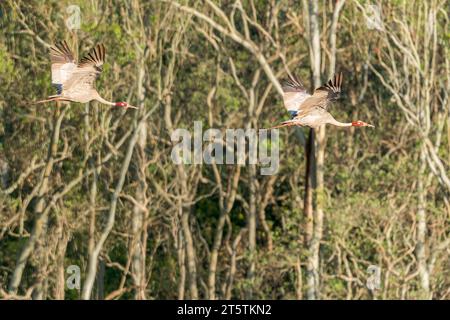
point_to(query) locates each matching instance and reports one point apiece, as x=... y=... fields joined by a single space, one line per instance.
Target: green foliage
x=372 y=177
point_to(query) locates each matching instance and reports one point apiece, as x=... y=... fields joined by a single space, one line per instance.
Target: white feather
x=62 y=72
x=293 y=100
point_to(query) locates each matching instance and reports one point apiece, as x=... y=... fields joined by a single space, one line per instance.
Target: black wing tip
x=61 y=48
x=338 y=79
x=59 y=44
x=292 y=83
x=63 y=43
x=335 y=83
x=95 y=56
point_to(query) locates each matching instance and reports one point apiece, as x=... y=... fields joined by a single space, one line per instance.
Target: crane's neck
x=340 y=124
x=101 y=100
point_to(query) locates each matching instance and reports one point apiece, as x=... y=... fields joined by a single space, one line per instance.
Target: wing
x=87 y=71
x=321 y=98
x=294 y=94
x=63 y=64
x=331 y=90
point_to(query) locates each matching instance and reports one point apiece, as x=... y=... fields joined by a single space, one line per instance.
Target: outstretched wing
x=63 y=64
x=95 y=58
x=87 y=71
x=319 y=101
x=331 y=90
x=294 y=95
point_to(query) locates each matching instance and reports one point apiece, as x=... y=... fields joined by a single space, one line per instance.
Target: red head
x=124 y=105
x=121 y=104
x=361 y=124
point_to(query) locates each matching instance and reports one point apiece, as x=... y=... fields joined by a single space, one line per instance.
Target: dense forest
x=93 y=205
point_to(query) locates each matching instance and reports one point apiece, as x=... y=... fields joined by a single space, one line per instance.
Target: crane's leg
x=288 y=123
x=49 y=100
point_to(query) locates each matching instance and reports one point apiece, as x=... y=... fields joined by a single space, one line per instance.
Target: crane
x=75 y=81
x=311 y=110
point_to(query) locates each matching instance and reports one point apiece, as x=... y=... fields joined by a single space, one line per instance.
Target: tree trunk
x=39 y=212
x=251 y=225
x=308 y=208
x=139 y=210
x=190 y=254
x=93 y=257
x=316 y=170
x=422 y=229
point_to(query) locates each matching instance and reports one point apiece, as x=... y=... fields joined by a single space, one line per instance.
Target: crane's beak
x=369 y=125
x=130 y=106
